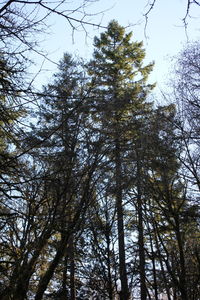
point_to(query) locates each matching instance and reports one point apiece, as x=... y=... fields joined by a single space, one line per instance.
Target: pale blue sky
x=165 y=31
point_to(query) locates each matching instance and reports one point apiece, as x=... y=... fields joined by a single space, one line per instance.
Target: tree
x=119 y=77
x=55 y=188
x=168 y=191
x=70 y=159
x=186 y=97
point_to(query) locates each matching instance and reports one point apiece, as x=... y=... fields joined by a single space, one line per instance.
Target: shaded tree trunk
x=64 y=279
x=143 y=292
x=182 y=276
x=124 y=293
x=72 y=268
x=155 y=284
x=110 y=287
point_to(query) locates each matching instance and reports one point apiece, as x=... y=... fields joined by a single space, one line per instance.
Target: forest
x=99 y=185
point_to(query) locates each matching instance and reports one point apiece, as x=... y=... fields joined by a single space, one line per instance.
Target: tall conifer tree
x=118 y=100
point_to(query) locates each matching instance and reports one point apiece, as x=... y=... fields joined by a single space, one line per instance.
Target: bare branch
x=151 y=6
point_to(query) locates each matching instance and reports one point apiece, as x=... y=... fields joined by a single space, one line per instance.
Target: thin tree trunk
x=155 y=285
x=64 y=279
x=110 y=287
x=157 y=239
x=108 y=234
x=143 y=291
x=72 y=268
x=124 y=293
x=182 y=276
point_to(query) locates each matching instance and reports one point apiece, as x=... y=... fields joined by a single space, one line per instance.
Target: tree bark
x=49 y=273
x=182 y=276
x=143 y=291
x=72 y=268
x=124 y=293
x=155 y=284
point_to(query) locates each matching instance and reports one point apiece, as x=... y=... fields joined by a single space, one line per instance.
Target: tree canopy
x=99 y=186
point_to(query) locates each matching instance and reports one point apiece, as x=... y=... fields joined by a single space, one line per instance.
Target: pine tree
x=60 y=124
x=119 y=92
x=69 y=161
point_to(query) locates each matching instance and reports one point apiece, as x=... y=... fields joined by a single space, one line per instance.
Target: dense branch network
x=19 y=19
x=57 y=8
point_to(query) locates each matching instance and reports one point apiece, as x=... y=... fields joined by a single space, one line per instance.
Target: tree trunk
x=143 y=291
x=124 y=293
x=182 y=276
x=72 y=268
x=44 y=281
x=64 y=279
x=110 y=287
x=155 y=284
